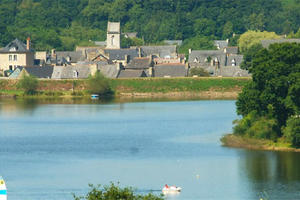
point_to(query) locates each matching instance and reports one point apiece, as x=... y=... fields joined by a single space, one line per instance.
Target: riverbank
x=177 y=88
x=231 y=140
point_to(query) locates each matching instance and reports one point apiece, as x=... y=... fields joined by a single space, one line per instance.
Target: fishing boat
x=3 y=191
x=171 y=190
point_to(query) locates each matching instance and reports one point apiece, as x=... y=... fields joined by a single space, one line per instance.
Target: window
x=112 y=40
x=75 y=74
x=10 y=57
x=15 y=57
x=10 y=67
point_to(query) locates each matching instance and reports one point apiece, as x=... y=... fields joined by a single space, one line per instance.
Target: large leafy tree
x=275 y=87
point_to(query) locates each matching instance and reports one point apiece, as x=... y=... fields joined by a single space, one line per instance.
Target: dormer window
x=13 y=49
x=233 y=62
x=196 y=60
x=75 y=74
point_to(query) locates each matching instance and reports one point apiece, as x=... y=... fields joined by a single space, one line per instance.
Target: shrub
x=256 y=126
x=292 y=131
x=242 y=126
x=198 y=72
x=114 y=192
x=263 y=128
x=28 y=84
x=98 y=84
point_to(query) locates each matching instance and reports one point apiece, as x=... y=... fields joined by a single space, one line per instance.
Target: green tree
x=28 y=84
x=274 y=91
x=98 y=84
x=292 y=131
x=251 y=38
x=115 y=192
x=249 y=54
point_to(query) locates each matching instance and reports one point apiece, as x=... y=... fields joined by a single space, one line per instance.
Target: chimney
x=28 y=43
x=126 y=59
x=151 y=71
x=190 y=51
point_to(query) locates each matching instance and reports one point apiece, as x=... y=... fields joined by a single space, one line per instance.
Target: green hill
x=62 y=24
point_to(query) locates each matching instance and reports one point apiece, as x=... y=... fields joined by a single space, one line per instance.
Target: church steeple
x=113 y=40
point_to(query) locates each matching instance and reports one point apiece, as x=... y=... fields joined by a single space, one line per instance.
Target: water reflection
x=271 y=173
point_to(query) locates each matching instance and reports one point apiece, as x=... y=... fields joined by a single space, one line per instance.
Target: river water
x=49 y=151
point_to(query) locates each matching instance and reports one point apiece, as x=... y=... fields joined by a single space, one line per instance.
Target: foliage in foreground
x=114 y=192
x=98 y=84
x=292 y=131
x=274 y=93
x=198 y=72
x=28 y=84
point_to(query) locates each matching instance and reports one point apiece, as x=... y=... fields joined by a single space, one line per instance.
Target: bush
x=98 y=84
x=28 y=84
x=263 y=128
x=292 y=131
x=198 y=72
x=114 y=192
x=255 y=126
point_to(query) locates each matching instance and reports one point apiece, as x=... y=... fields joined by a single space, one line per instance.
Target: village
x=17 y=59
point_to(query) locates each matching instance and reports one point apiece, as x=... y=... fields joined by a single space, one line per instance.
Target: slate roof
x=237 y=58
x=267 y=43
x=139 y=63
x=201 y=56
x=75 y=56
x=67 y=72
x=160 y=51
x=18 y=45
x=221 y=44
x=172 y=70
x=119 y=54
x=129 y=73
x=100 y=43
x=16 y=72
x=231 y=50
x=233 y=71
x=40 y=72
x=130 y=34
x=173 y=42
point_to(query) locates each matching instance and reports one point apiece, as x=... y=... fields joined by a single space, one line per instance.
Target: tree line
x=62 y=24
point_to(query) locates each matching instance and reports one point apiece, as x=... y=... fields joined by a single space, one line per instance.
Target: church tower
x=113 y=40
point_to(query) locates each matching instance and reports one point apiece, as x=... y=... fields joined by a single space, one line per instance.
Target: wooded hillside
x=65 y=23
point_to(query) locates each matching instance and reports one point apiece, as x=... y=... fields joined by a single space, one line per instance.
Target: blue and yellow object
x=3 y=190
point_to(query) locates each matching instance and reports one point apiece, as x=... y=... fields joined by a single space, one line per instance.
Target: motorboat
x=3 y=190
x=171 y=189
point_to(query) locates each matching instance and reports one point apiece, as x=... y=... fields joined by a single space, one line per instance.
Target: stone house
x=267 y=43
x=223 y=62
x=16 y=54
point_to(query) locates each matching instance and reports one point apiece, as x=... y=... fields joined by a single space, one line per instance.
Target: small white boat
x=3 y=190
x=171 y=190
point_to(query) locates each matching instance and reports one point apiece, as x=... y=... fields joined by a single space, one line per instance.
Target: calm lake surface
x=49 y=151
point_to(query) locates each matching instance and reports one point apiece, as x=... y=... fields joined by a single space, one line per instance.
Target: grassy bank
x=235 y=141
x=154 y=87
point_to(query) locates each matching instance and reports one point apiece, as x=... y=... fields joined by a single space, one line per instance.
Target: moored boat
x=3 y=190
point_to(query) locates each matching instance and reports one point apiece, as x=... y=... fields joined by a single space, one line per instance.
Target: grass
x=67 y=88
x=231 y=140
x=165 y=85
